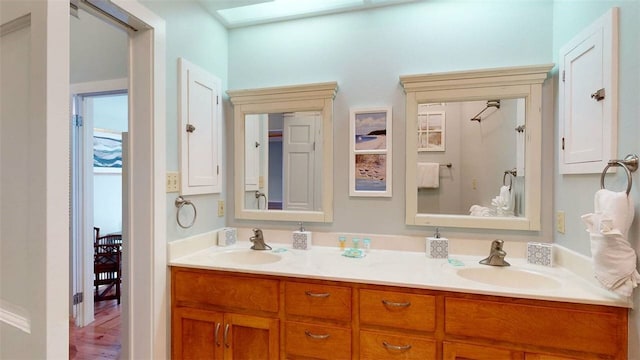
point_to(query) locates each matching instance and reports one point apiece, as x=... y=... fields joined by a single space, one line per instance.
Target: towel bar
x=629 y=164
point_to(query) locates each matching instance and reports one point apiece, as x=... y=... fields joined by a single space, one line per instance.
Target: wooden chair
x=107 y=267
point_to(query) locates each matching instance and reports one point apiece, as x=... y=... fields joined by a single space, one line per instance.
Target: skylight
x=278 y=10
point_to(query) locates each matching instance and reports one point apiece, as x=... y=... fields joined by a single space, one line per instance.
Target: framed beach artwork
x=431 y=131
x=370 y=152
x=107 y=151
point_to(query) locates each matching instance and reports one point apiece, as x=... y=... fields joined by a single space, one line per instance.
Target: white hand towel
x=428 y=175
x=614 y=260
x=477 y=210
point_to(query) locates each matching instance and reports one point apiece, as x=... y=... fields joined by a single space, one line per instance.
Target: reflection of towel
x=614 y=260
x=503 y=202
x=428 y=175
x=477 y=210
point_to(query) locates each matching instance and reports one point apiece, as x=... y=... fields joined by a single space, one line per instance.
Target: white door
x=200 y=117
x=298 y=149
x=34 y=179
x=588 y=98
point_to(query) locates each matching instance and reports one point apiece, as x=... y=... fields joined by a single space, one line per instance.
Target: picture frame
x=107 y=151
x=431 y=131
x=370 y=155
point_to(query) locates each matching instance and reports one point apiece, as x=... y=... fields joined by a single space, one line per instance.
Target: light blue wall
x=366 y=52
x=108 y=112
x=195 y=35
x=574 y=193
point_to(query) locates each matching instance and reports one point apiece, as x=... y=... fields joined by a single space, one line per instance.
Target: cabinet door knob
x=190 y=128
x=396 y=304
x=226 y=335
x=396 y=347
x=598 y=95
x=316 y=336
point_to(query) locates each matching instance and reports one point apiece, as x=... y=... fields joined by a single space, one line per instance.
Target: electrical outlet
x=260 y=181
x=474 y=184
x=560 y=222
x=173 y=182
x=220 y=208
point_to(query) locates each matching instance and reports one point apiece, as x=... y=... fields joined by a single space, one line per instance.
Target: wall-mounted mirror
x=473 y=147
x=284 y=152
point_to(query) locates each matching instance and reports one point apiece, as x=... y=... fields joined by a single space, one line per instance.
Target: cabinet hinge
x=563 y=74
x=563 y=143
x=217 y=100
x=217 y=169
x=77 y=120
x=77 y=298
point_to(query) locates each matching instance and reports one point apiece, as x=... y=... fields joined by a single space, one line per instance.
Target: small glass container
x=366 y=244
x=356 y=243
x=342 y=241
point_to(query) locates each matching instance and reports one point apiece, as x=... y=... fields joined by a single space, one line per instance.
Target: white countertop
x=401 y=268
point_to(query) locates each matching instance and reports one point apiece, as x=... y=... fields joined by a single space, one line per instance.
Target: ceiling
x=240 y=13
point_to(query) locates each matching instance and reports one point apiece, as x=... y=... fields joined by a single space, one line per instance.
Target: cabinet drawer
x=317 y=341
x=382 y=345
x=227 y=291
x=318 y=301
x=600 y=332
x=397 y=309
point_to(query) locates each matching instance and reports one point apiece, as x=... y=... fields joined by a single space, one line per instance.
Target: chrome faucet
x=258 y=241
x=496 y=256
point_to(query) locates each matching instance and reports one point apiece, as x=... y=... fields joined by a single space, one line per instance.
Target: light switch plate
x=173 y=182
x=560 y=222
x=220 y=208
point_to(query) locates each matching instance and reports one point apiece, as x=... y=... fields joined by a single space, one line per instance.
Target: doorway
x=100 y=117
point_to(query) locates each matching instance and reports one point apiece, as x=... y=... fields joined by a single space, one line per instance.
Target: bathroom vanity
x=391 y=304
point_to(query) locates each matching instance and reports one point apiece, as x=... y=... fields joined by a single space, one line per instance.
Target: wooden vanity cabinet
x=201 y=334
x=318 y=320
x=397 y=325
x=275 y=317
x=216 y=316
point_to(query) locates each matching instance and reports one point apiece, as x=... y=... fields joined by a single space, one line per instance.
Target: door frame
x=145 y=329
x=145 y=302
x=81 y=264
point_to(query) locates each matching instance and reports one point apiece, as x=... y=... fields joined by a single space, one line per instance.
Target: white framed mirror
x=283 y=152
x=487 y=174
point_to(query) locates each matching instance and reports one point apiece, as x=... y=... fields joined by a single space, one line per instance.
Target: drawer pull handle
x=317 y=295
x=396 y=304
x=217 y=335
x=226 y=335
x=316 y=336
x=396 y=347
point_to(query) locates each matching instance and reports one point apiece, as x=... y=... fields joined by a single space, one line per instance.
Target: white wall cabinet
x=200 y=112
x=588 y=97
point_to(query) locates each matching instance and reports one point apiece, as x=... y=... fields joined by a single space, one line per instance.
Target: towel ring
x=180 y=203
x=513 y=173
x=629 y=164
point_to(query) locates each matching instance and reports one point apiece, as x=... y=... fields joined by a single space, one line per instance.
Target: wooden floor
x=100 y=340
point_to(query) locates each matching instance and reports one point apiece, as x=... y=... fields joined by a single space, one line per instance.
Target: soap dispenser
x=302 y=238
x=437 y=246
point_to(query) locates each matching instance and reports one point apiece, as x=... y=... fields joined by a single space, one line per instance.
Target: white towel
x=614 y=260
x=504 y=202
x=428 y=175
x=477 y=210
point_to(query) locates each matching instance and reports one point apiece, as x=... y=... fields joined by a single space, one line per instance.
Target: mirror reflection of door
x=282 y=161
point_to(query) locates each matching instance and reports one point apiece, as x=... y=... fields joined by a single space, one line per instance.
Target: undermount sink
x=246 y=257
x=509 y=277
